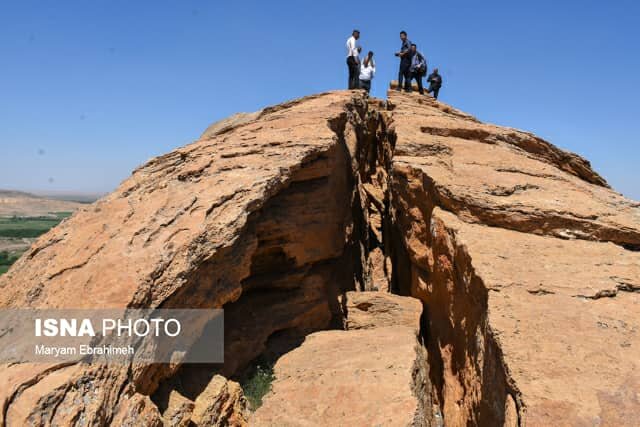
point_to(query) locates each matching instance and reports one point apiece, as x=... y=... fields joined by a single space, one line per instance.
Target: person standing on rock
x=418 y=68
x=367 y=71
x=435 y=83
x=405 y=62
x=353 y=59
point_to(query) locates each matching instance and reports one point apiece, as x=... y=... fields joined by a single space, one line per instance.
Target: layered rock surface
x=369 y=374
x=528 y=265
x=526 y=262
x=257 y=218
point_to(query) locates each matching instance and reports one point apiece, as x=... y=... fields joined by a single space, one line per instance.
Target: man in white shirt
x=353 y=60
x=367 y=71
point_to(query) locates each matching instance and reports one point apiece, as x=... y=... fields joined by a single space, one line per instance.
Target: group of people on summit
x=413 y=65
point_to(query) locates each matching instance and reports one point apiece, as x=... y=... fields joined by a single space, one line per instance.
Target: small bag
x=422 y=65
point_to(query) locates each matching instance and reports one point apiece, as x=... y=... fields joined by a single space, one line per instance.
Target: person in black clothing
x=418 y=68
x=435 y=83
x=405 y=62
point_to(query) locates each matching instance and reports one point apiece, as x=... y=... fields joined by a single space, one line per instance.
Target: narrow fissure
x=461 y=352
x=339 y=225
x=471 y=383
x=302 y=251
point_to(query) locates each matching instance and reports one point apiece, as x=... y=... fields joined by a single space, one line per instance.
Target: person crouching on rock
x=353 y=59
x=435 y=83
x=418 y=68
x=367 y=71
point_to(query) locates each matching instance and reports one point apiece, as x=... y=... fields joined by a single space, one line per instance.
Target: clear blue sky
x=91 y=89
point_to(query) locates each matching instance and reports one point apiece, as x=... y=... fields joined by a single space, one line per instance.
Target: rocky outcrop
x=179 y=410
x=506 y=178
x=229 y=123
x=220 y=404
x=525 y=262
x=135 y=411
x=366 y=375
x=263 y=217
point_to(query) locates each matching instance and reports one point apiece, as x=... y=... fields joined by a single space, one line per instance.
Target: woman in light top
x=367 y=71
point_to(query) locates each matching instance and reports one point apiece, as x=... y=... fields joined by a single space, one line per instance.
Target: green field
x=30 y=226
x=6 y=259
x=25 y=227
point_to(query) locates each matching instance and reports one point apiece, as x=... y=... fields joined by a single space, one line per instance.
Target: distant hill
x=19 y=203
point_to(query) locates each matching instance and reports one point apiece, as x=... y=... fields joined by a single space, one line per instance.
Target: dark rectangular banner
x=142 y=336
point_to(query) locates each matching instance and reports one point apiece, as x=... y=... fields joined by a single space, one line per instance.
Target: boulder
x=367 y=310
x=136 y=411
x=220 y=404
x=179 y=410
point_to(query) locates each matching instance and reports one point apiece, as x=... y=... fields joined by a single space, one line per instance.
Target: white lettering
x=42 y=350
x=146 y=326
x=108 y=325
x=63 y=327
x=177 y=329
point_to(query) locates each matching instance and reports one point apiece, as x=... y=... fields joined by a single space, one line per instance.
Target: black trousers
x=434 y=89
x=418 y=77
x=366 y=85
x=404 y=73
x=354 y=71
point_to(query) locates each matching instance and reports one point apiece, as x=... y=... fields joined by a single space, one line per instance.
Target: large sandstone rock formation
x=529 y=267
x=264 y=218
x=526 y=263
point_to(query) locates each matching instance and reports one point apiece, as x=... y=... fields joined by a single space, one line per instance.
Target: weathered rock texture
x=526 y=262
x=367 y=375
x=179 y=410
x=264 y=218
x=528 y=266
x=220 y=404
x=368 y=310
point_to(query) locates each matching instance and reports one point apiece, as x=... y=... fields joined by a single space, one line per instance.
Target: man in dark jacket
x=435 y=83
x=418 y=68
x=405 y=62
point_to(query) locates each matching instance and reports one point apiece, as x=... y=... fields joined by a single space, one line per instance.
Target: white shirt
x=367 y=73
x=352 y=48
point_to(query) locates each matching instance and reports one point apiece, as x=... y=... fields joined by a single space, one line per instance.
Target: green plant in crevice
x=256 y=382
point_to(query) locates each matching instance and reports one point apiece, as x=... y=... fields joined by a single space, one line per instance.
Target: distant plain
x=25 y=216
